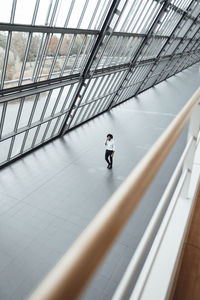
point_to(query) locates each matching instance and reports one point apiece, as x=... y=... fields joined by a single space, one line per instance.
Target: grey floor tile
x=49 y=196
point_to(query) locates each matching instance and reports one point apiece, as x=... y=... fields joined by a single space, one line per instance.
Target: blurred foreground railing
x=71 y=275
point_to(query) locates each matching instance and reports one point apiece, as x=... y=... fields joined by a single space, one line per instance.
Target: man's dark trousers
x=108 y=155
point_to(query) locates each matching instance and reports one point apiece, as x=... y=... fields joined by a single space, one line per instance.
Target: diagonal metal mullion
x=87 y=111
x=12 y=16
x=97 y=92
x=78 y=55
x=98 y=26
x=94 y=14
x=107 y=86
x=114 y=50
x=163 y=8
x=89 y=41
x=68 y=54
x=113 y=84
x=89 y=102
x=61 y=39
x=122 y=55
x=111 y=54
x=144 y=17
x=99 y=106
x=126 y=53
x=55 y=56
x=44 y=35
x=28 y=43
x=57 y=101
x=52 y=114
x=56 y=4
x=97 y=99
x=90 y=112
x=88 y=49
x=29 y=122
x=39 y=59
x=5 y=63
x=133 y=17
x=46 y=39
x=38 y=56
x=82 y=13
x=91 y=89
x=41 y=118
x=94 y=52
x=16 y=127
x=44 y=57
x=3 y=114
x=25 y=59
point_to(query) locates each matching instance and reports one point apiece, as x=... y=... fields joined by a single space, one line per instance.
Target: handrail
x=143 y=245
x=73 y=271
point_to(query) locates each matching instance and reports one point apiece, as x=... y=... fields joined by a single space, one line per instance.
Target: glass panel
x=195 y=8
x=3 y=40
x=10 y=117
x=70 y=96
x=30 y=137
x=40 y=106
x=91 y=19
x=51 y=128
x=31 y=59
x=17 y=144
x=44 y=12
x=1 y=108
x=74 y=48
x=26 y=111
x=49 y=57
x=5 y=11
x=52 y=102
x=63 y=98
x=138 y=16
x=181 y=4
x=21 y=7
x=168 y=22
x=58 y=125
x=152 y=49
x=184 y=28
x=40 y=133
x=81 y=114
x=4 y=146
x=15 y=58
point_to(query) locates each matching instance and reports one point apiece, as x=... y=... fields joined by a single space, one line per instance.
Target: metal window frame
x=91 y=89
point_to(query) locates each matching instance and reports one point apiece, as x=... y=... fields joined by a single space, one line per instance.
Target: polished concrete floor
x=50 y=195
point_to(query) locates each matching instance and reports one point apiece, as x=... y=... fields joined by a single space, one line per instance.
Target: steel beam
x=86 y=72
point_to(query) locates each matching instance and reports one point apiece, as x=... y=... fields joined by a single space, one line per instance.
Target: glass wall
x=64 y=62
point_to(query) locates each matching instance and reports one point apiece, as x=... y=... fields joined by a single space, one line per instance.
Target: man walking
x=110 y=149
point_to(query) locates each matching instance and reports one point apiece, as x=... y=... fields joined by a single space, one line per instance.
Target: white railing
x=69 y=277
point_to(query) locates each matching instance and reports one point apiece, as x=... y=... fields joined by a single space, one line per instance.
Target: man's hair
x=110 y=135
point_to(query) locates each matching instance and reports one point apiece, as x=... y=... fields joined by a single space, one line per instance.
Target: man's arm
x=113 y=147
x=106 y=141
